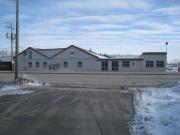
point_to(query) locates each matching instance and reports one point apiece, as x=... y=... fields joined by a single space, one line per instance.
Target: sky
x=105 y=26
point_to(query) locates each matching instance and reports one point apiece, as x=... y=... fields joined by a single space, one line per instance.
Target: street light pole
x=17 y=40
x=166 y=46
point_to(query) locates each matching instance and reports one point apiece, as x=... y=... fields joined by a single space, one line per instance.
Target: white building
x=74 y=58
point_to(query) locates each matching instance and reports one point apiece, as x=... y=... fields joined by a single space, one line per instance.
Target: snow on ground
x=13 y=89
x=25 y=81
x=31 y=81
x=157 y=111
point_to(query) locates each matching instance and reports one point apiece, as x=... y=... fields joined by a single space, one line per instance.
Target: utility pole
x=17 y=40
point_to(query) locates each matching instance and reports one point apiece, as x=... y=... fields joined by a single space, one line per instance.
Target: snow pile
x=157 y=111
x=13 y=89
x=30 y=81
x=24 y=82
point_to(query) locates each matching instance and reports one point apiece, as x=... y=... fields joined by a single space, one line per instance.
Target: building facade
x=74 y=58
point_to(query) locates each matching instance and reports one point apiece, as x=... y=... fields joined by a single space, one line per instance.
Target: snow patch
x=22 y=86
x=31 y=81
x=157 y=111
x=13 y=89
x=24 y=81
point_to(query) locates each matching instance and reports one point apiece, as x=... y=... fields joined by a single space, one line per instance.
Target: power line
x=10 y=34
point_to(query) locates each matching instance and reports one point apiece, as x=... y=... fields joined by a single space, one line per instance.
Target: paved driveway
x=66 y=111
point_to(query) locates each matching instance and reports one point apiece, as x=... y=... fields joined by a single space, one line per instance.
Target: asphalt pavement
x=66 y=111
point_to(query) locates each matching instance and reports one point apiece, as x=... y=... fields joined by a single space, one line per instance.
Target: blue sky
x=106 y=26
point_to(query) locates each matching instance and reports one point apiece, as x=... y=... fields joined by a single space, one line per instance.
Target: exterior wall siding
x=73 y=56
x=154 y=58
x=36 y=57
x=89 y=63
x=134 y=66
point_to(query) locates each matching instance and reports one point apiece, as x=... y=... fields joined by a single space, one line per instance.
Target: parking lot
x=66 y=111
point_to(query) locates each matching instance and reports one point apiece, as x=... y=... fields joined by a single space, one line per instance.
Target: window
x=30 y=64
x=30 y=54
x=37 y=64
x=115 y=65
x=149 y=64
x=44 y=64
x=72 y=52
x=65 y=64
x=79 y=65
x=160 y=64
x=25 y=53
x=126 y=63
x=104 y=65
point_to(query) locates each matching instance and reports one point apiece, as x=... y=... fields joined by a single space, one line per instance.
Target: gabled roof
x=58 y=51
x=95 y=55
x=50 y=52
x=33 y=50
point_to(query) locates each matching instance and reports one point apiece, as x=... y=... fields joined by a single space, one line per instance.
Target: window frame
x=25 y=53
x=160 y=64
x=30 y=63
x=125 y=63
x=115 y=65
x=30 y=54
x=80 y=64
x=72 y=52
x=37 y=64
x=65 y=64
x=150 y=64
x=104 y=65
x=45 y=65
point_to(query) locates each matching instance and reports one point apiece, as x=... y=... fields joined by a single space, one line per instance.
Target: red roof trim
x=24 y=50
x=39 y=52
x=33 y=50
x=64 y=49
x=51 y=49
x=76 y=48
